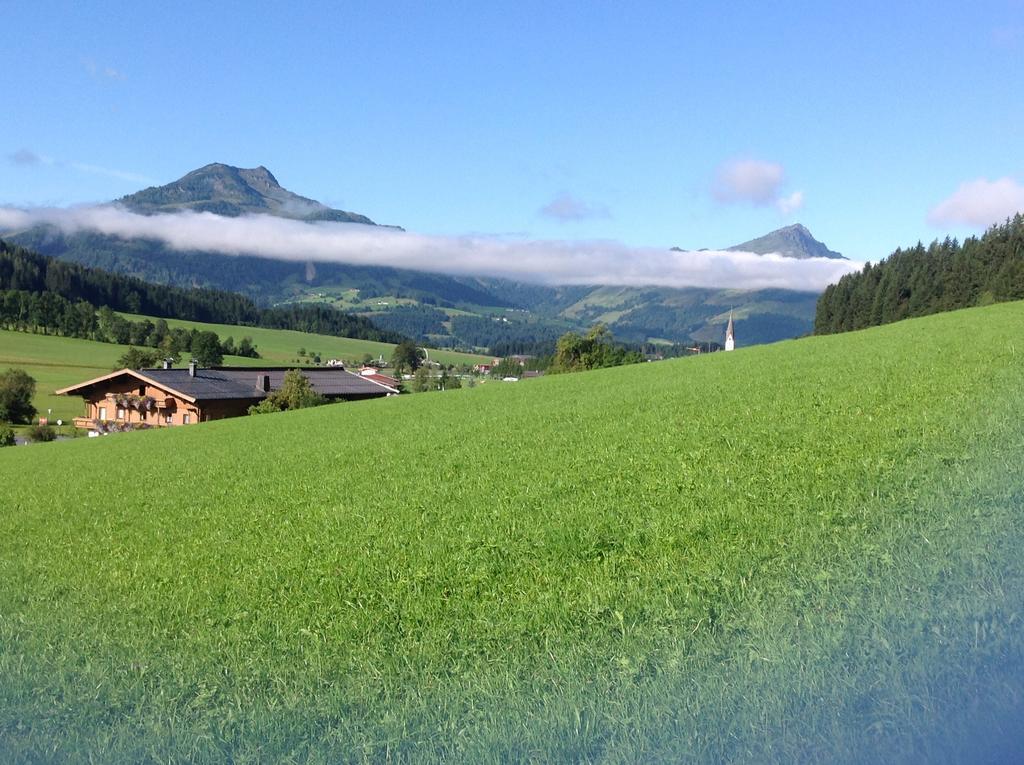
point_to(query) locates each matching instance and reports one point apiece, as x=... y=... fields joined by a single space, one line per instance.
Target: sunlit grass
x=281 y=346
x=808 y=551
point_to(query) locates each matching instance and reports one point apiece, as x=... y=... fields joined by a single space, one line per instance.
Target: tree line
x=415 y=321
x=22 y=270
x=918 y=281
x=503 y=336
x=47 y=313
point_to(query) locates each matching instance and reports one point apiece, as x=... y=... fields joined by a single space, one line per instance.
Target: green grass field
x=56 y=362
x=805 y=552
x=280 y=346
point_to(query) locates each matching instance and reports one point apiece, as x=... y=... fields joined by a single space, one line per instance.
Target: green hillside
x=807 y=552
x=279 y=346
x=55 y=362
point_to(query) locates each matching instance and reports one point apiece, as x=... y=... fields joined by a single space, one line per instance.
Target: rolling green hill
x=803 y=552
x=280 y=346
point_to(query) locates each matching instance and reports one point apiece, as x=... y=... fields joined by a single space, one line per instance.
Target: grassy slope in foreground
x=280 y=346
x=808 y=551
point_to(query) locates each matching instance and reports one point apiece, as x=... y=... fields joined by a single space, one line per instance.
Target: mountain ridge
x=793 y=241
x=234 y=191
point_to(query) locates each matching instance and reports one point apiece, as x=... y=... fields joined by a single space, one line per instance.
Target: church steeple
x=730 y=336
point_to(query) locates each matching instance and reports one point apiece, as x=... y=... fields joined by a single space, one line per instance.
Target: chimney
x=167 y=363
x=263 y=382
x=192 y=368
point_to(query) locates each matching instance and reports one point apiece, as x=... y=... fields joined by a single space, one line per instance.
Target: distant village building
x=730 y=335
x=158 y=398
x=372 y=373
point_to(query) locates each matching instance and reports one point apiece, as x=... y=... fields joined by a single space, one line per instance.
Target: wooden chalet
x=156 y=398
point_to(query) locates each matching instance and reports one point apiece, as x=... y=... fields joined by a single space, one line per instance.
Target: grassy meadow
x=805 y=552
x=280 y=346
x=56 y=362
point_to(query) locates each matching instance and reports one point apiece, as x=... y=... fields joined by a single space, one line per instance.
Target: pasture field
x=280 y=346
x=804 y=552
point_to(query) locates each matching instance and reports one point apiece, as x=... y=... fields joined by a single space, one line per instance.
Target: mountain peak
x=260 y=175
x=233 y=191
x=793 y=241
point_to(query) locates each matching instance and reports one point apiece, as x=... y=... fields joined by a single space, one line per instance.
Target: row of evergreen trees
x=923 y=280
x=50 y=314
x=25 y=271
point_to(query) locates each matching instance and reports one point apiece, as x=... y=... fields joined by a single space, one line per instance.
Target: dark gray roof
x=218 y=383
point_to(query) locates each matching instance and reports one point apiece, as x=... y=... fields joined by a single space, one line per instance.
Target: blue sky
x=698 y=125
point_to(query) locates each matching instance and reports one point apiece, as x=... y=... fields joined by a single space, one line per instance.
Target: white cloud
x=565 y=207
x=979 y=203
x=755 y=182
x=790 y=204
x=544 y=261
x=748 y=180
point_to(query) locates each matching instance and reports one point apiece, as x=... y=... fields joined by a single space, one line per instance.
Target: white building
x=730 y=337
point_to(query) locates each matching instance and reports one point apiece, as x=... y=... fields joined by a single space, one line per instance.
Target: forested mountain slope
x=36 y=290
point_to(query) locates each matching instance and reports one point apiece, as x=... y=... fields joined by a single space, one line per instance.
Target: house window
x=120 y=413
x=167 y=419
x=103 y=413
x=186 y=418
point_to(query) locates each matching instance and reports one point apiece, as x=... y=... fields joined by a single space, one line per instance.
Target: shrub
x=16 y=391
x=296 y=392
x=266 y=406
x=6 y=435
x=41 y=433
